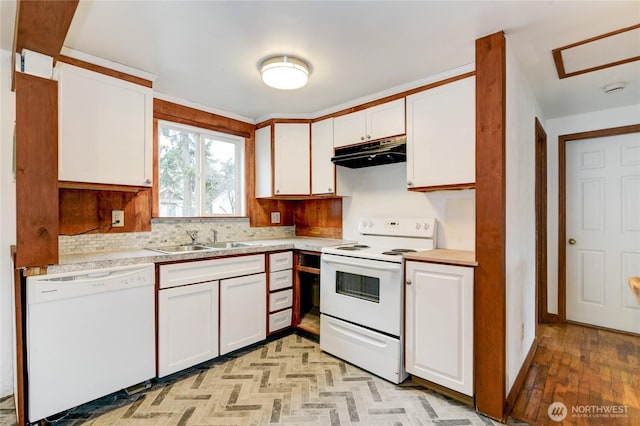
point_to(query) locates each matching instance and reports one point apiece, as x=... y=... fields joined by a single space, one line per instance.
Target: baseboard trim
x=550 y=318
x=520 y=378
x=597 y=327
x=465 y=399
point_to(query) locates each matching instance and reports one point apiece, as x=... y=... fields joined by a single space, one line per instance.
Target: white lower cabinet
x=243 y=312
x=439 y=324
x=187 y=326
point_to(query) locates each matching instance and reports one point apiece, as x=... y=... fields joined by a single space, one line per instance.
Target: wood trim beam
x=36 y=171
x=541 y=221
x=557 y=54
x=490 y=280
x=106 y=71
x=562 y=204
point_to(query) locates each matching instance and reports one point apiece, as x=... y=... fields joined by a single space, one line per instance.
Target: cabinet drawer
x=280 y=261
x=280 y=279
x=279 y=320
x=280 y=300
x=206 y=270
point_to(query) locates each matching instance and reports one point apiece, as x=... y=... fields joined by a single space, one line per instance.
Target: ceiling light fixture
x=613 y=87
x=284 y=72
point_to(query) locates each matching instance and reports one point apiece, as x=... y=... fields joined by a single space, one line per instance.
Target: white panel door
x=292 y=162
x=187 y=326
x=243 y=312
x=603 y=230
x=439 y=324
x=323 y=171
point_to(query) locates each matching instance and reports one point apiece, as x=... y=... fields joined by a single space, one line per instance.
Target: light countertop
x=85 y=261
x=446 y=256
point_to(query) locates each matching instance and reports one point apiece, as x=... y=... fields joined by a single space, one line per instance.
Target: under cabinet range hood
x=385 y=151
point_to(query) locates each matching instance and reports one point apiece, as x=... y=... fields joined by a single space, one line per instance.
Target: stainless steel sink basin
x=184 y=248
x=231 y=244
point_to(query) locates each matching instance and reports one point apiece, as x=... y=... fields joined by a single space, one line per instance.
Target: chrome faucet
x=215 y=235
x=194 y=236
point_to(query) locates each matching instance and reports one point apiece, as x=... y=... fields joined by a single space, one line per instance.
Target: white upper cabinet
x=263 y=162
x=289 y=175
x=441 y=136
x=291 y=159
x=323 y=171
x=373 y=123
x=105 y=128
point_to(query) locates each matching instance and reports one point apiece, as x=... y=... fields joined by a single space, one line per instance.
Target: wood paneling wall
x=36 y=171
x=82 y=210
x=319 y=218
x=490 y=279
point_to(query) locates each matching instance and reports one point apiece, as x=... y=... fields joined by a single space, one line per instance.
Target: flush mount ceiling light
x=284 y=72
x=613 y=87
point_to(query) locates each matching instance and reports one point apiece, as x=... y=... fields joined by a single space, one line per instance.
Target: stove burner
x=354 y=247
x=398 y=252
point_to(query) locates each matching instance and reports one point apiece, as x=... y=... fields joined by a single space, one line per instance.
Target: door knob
x=572 y=241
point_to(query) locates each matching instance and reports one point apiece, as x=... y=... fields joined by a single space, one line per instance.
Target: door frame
x=562 y=203
x=542 y=314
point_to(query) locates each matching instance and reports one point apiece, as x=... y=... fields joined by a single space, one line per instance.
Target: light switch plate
x=275 y=217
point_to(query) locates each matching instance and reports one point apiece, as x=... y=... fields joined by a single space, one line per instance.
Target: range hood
x=384 y=151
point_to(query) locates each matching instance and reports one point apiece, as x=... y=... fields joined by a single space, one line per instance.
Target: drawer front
x=280 y=279
x=280 y=300
x=183 y=273
x=279 y=320
x=280 y=261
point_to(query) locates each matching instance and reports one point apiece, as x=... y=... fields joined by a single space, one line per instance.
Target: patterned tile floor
x=285 y=381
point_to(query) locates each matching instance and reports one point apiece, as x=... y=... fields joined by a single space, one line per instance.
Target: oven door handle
x=393 y=267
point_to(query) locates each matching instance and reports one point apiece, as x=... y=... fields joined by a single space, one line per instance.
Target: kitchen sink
x=186 y=248
x=183 y=248
x=231 y=244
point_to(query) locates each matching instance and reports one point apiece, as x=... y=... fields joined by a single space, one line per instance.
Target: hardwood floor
x=594 y=373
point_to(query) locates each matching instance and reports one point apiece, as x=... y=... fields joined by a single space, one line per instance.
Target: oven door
x=362 y=291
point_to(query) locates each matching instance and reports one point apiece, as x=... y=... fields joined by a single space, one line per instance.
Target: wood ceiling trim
x=106 y=71
x=557 y=54
x=42 y=25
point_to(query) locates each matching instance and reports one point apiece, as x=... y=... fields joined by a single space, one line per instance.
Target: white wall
x=382 y=191
x=563 y=126
x=522 y=108
x=7 y=223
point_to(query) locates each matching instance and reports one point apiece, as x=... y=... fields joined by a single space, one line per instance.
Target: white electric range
x=362 y=293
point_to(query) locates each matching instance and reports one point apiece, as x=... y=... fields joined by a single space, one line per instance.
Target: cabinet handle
x=277 y=191
x=408 y=282
x=361 y=138
x=329 y=189
x=368 y=136
x=409 y=183
x=147 y=181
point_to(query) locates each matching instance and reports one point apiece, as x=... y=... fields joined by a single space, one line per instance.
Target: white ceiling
x=207 y=52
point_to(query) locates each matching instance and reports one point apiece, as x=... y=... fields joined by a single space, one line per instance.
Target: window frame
x=202 y=134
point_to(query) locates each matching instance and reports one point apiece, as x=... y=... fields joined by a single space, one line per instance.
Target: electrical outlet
x=117 y=218
x=275 y=217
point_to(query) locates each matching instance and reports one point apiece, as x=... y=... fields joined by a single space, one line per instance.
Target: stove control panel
x=397 y=227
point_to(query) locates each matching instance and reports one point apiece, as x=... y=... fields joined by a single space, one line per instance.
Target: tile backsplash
x=172 y=231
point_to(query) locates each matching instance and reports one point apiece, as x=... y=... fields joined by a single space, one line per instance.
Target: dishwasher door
x=89 y=334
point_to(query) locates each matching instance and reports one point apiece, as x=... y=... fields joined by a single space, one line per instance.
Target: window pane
x=177 y=150
x=221 y=177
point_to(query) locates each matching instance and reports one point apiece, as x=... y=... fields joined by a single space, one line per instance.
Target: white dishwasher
x=89 y=333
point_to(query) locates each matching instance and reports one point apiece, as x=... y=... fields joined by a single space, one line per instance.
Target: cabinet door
x=349 y=129
x=243 y=312
x=323 y=171
x=187 y=326
x=105 y=128
x=441 y=141
x=386 y=120
x=292 y=161
x=263 y=162
x=439 y=324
